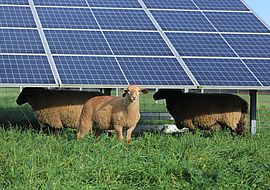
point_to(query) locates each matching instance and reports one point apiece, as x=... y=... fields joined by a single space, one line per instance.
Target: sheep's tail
x=85 y=124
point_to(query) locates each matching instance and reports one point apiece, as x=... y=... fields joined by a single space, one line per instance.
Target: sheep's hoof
x=78 y=136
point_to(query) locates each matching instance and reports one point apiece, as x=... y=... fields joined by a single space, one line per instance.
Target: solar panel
x=153 y=71
x=137 y=43
x=170 y=4
x=20 y=41
x=14 y=2
x=25 y=69
x=200 y=44
x=249 y=45
x=75 y=3
x=221 y=72
x=119 y=19
x=114 y=3
x=77 y=42
x=261 y=68
x=16 y=17
x=236 y=22
x=89 y=70
x=147 y=42
x=75 y=18
x=234 y=5
x=182 y=21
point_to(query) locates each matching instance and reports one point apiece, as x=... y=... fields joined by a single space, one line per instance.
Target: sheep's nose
x=133 y=97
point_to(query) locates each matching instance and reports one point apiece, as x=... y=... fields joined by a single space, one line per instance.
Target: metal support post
x=253 y=107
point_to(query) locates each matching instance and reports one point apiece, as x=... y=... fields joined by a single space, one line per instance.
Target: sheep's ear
x=144 y=91
x=124 y=92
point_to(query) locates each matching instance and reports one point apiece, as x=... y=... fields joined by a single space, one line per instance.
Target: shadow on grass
x=22 y=117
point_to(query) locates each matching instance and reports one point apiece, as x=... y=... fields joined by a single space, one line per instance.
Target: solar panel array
x=154 y=43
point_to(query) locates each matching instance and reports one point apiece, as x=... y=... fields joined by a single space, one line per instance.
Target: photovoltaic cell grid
x=75 y=3
x=20 y=41
x=89 y=70
x=16 y=17
x=77 y=42
x=138 y=43
x=75 y=18
x=234 y=5
x=170 y=4
x=114 y=3
x=91 y=3
x=221 y=72
x=119 y=19
x=153 y=71
x=200 y=44
x=250 y=45
x=236 y=22
x=24 y=69
x=261 y=68
x=82 y=18
x=14 y=2
x=182 y=21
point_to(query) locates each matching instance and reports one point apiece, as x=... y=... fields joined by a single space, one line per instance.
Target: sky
x=261 y=8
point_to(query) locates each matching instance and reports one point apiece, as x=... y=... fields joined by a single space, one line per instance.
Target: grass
x=32 y=159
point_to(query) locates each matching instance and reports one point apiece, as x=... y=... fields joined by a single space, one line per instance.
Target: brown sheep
x=56 y=108
x=111 y=113
x=206 y=111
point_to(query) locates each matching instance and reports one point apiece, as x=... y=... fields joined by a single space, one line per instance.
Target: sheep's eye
x=128 y=91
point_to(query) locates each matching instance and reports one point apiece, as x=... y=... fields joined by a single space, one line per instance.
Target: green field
x=33 y=159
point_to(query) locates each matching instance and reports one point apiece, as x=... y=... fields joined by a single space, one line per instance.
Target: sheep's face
x=25 y=93
x=133 y=92
x=22 y=98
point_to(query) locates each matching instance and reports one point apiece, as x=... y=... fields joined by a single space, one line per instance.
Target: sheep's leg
x=50 y=129
x=84 y=128
x=129 y=132
x=178 y=124
x=56 y=128
x=98 y=132
x=119 y=131
x=215 y=127
x=241 y=125
x=56 y=131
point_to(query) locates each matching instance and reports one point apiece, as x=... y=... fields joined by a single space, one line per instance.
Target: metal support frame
x=253 y=108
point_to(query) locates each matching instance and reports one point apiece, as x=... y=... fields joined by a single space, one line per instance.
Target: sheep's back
x=60 y=107
x=191 y=105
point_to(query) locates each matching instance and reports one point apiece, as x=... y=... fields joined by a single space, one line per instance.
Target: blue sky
x=261 y=7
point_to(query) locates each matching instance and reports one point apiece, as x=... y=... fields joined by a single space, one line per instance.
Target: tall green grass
x=32 y=160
